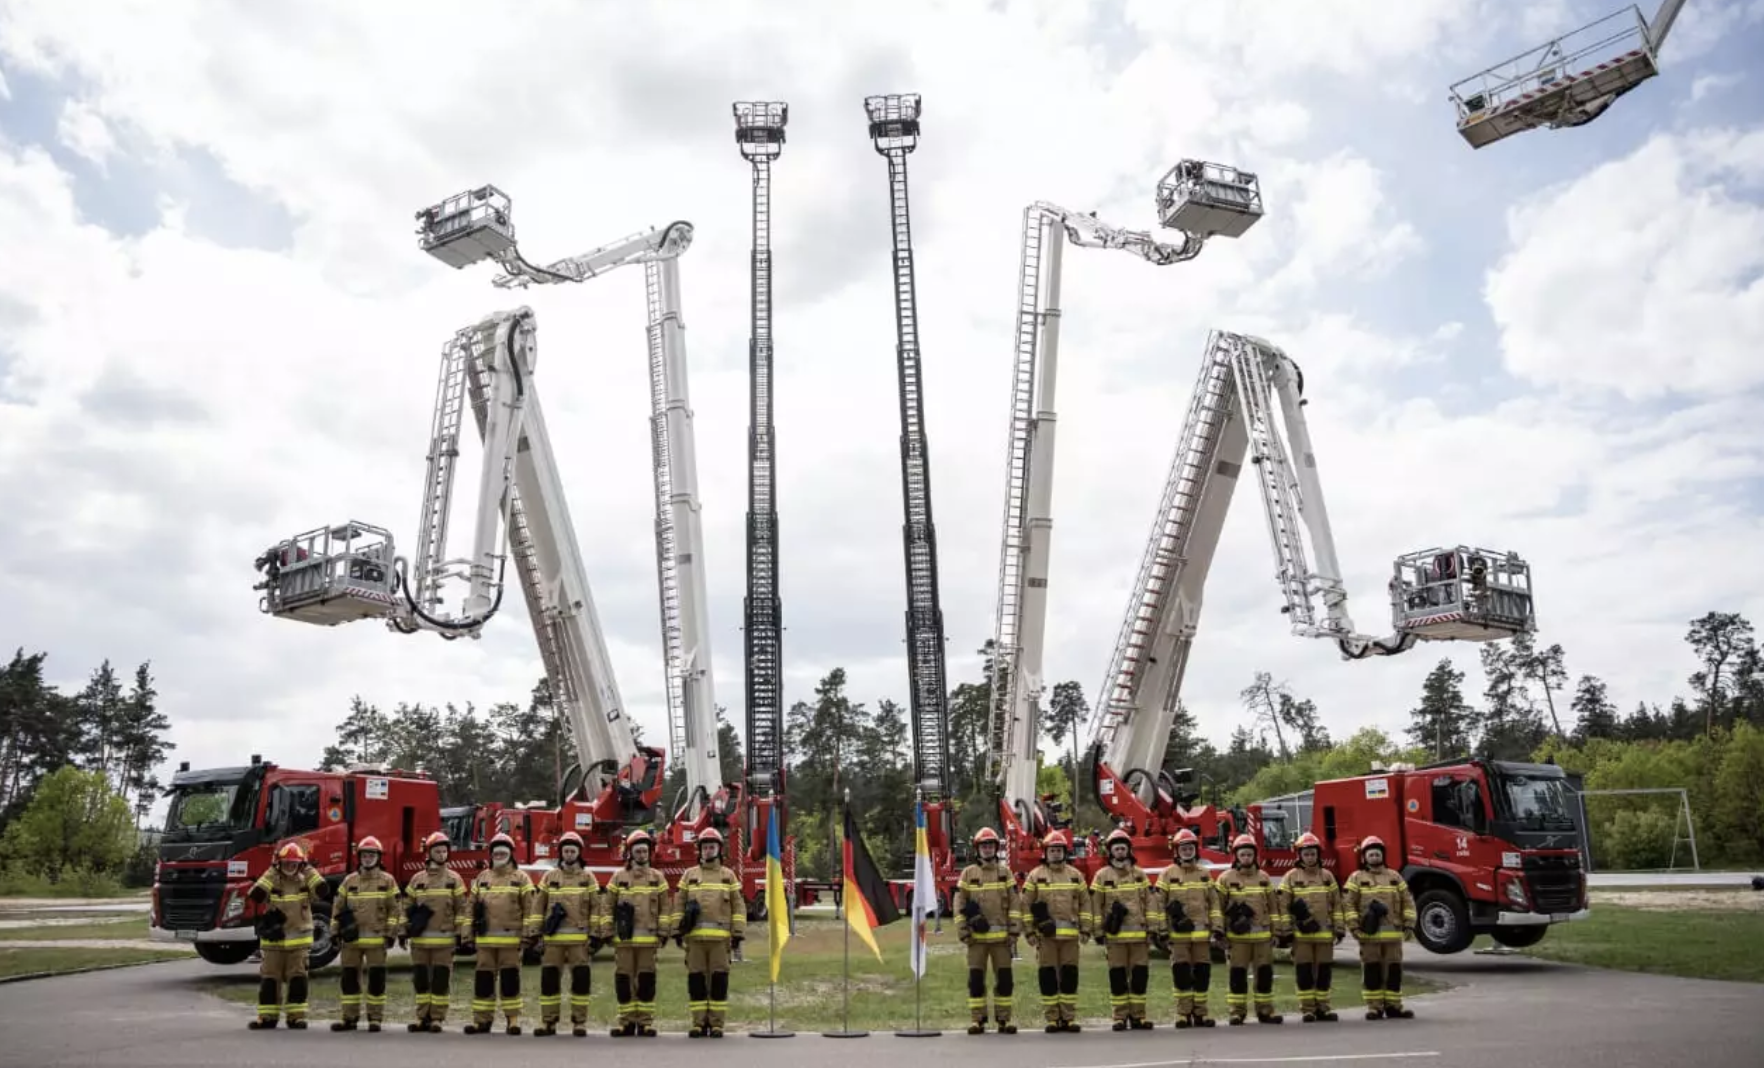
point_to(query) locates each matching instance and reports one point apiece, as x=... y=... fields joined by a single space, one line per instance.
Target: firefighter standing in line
x=1311 y=900
x=712 y=918
x=1381 y=914
x=437 y=920
x=499 y=914
x=987 y=919
x=1056 y=908
x=1125 y=919
x=284 y=933
x=366 y=917
x=1189 y=900
x=639 y=913
x=564 y=916
x=1252 y=915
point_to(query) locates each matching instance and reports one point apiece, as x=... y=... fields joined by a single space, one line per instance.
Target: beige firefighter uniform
x=1251 y=917
x=707 y=932
x=987 y=918
x=1056 y=918
x=437 y=896
x=1311 y=900
x=1125 y=920
x=638 y=916
x=1190 y=903
x=565 y=913
x=1381 y=951
x=500 y=899
x=368 y=908
x=281 y=989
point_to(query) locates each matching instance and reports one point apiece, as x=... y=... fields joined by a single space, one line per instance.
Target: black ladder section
x=759 y=133
x=894 y=127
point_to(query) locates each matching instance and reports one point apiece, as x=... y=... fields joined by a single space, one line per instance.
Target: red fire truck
x=1488 y=847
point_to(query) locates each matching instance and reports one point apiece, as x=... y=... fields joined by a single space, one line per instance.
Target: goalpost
x=1684 y=831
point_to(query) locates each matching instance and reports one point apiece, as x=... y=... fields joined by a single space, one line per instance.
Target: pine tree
x=1594 y=714
x=1443 y=720
x=141 y=741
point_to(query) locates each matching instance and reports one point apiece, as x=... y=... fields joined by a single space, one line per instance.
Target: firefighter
x=500 y=895
x=367 y=921
x=1056 y=908
x=1189 y=901
x=712 y=918
x=1252 y=915
x=1381 y=915
x=437 y=921
x=565 y=917
x=284 y=932
x=1125 y=919
x=987 y=921
x=1311 y=900
x=639 y=913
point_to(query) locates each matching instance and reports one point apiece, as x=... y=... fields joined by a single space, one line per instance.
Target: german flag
x=868 y=902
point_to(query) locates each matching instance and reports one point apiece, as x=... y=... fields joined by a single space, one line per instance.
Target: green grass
x=52 y=961
x=1696 y=944
x=809 y=985
x=109 y=926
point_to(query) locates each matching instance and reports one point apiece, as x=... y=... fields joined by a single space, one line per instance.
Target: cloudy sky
x=216 y=329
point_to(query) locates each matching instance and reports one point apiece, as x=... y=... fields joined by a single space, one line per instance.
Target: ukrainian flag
x=778 y=905
x=924 y=892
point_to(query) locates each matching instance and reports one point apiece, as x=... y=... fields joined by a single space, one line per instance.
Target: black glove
x=554 y=919
x=977 y=922
x=1115 y=920
x=346 y=926
x=389 y=941
x=1178 y=917
x=1373 y=919
x=272 y=926
x=416 y=920
x=625 y=921
x=1302 y=918
x=1240 y=918
x=1044 y=924
x=480 y=917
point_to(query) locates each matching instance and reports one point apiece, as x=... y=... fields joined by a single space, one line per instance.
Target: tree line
x=78 y=772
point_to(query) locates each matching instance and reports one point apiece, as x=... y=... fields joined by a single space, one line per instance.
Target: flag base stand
x=917 y=1034
x=771 y=1034
x=845 y=1034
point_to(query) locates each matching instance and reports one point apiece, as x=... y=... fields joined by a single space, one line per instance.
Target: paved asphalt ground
x=1510 y=1011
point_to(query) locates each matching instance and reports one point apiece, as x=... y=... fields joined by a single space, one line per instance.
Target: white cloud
x=168 y=406
x=83 y=130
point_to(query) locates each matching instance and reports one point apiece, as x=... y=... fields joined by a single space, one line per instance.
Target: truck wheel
x=324 y=947
x=1442 y=923
x=225 y=952
x=1520 y=937
x=756 y=909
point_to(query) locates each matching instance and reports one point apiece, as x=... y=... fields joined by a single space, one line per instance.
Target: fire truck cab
x=1488 y=847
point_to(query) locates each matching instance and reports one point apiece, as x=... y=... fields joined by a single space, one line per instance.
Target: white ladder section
x=450 y=391
x=667 y=558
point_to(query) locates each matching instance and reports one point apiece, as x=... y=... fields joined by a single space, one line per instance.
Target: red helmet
x=502 y=839
x=370 y=844
x=1371 y=841
x=710 y=835
x=1184 y=837
x=435 y=838
x=1119 y=834
x=570 y=838
x=1308 y=841
x=641 y=838
x=1243 y=840
x=291 y=851
x=1057 y=838
x=986 y=834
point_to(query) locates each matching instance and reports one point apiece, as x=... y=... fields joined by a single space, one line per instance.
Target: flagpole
x=920 y=913
x=845 y=1030
x=789 y=901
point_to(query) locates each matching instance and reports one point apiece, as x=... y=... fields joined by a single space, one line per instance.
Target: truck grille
x=1553 y=883
x=189 y=898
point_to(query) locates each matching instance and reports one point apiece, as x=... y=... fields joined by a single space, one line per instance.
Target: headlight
x=235 y=908
x=1516 y=893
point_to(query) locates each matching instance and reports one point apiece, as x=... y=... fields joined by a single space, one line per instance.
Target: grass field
x=1695 y=943
x=128 y=925
x=809 y=985
x=32 y=961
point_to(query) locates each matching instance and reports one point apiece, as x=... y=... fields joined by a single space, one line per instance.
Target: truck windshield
x=1542 y=803
x=200 y=810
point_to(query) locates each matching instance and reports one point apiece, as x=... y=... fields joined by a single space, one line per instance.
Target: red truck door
x=1453 y=811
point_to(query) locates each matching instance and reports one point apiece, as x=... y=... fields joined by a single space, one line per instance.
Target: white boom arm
x=1197 y=199
x=1230 y=411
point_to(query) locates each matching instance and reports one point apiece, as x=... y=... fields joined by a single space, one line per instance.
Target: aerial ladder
x=1567 y=81
x=759 y=135
x=894 y=130
x=1458 y=593
x=1200 y=200
x=350 y=571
